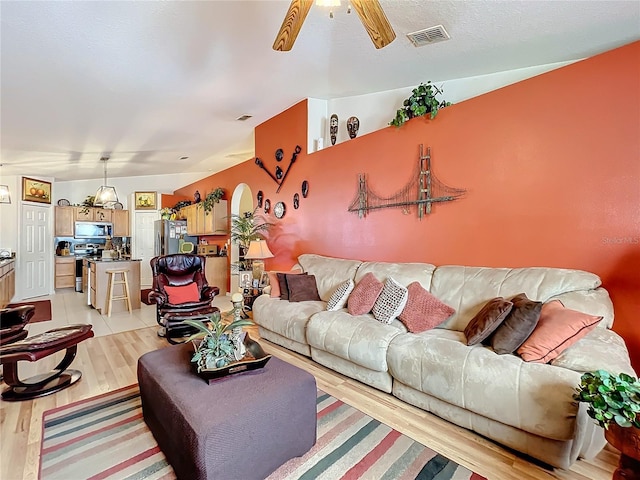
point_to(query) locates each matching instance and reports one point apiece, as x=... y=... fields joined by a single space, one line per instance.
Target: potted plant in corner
x=245 y=228
x=614 y=402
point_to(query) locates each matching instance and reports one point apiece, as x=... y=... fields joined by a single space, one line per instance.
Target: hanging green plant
x=211 y=199
x=422 y=101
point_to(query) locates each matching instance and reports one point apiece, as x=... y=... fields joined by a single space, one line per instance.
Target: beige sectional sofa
x=525 y=406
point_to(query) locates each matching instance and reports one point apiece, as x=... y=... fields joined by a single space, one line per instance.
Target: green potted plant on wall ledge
x=422 y=101
x=211 y=199
x=614 y=402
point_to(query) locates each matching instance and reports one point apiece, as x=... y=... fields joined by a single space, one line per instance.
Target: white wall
x=376 y=110
x=78 y=190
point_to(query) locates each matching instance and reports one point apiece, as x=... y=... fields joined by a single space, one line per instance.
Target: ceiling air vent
x=428 y=36
x=244 y=117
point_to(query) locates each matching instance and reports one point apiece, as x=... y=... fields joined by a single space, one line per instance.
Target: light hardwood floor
x=109 y=360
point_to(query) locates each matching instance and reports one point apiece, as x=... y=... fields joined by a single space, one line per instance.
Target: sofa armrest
x=601 y=349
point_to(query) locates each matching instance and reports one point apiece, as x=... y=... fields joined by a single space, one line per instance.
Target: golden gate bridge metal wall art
x=422 y=191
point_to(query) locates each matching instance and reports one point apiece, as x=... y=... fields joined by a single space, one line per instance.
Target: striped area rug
x=105 y=437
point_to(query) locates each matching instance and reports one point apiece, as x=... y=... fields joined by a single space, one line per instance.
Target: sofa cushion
x=339 y=298
x=285 y=318
x=364 y=295
x=487 y=320
x=360 y=339
x=403 y=273
x=302 y=288
x=518 y=325
x=329 y=272
x=533 y=397
x=558 y=328
x=423 y=311
x=390 y=302
x=467 y=289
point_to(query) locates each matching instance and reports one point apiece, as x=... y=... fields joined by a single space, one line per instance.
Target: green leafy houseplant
x=422 y=101
x=247 y=227
x=216 y=348
x=211 y=199
x=612 y=399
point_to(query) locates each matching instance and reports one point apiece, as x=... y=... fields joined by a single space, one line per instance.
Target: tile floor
x=69 y=307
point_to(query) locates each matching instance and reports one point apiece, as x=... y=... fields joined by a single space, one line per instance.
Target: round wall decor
x=279 y=210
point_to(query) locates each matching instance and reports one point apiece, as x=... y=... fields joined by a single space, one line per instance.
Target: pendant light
x=106 y=196
x=5 y=196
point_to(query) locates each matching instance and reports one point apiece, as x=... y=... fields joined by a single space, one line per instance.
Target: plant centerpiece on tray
x=218 y=342
x=422 y=101
x=211 y=199
x=614 y=402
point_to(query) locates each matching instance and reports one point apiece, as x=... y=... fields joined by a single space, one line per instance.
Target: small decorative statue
x=196 y=197
x=353 y=124
x=333 y=128
x=237 y=335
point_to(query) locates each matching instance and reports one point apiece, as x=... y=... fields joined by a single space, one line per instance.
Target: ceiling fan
x=370 y=12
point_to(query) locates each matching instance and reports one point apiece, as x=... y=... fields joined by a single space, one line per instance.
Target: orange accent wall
x=551 y=165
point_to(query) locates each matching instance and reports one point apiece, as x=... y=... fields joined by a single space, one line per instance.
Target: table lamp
x=258 y=251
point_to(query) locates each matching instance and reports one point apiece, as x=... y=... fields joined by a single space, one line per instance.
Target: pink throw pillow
x=183 y=293
x=364 y=295
x=423 y=311
x=558 y=328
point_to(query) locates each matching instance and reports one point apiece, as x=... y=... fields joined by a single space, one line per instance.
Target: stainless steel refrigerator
x=168 y=236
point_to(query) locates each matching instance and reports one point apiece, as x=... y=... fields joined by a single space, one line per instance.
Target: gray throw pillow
x=518 y=325
x=302 y=288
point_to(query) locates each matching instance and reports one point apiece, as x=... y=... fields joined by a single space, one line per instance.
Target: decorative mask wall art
x=333 y=128
x=353 y=124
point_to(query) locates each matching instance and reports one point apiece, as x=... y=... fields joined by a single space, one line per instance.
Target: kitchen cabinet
x=83 y=214
x=65 y=217
x=92 y=214
x=120 y=219
x=65 y=272
x=98 y=282
x=200 y=222
x=7 y=282
x=216 y=269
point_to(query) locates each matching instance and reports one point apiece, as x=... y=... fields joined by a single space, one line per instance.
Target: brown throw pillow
x=487 y=320
x=302 y=288
x=364 y=295
x=558 y=328
x=518 y=325
x=282 y=283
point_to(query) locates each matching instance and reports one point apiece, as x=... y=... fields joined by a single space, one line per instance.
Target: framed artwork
x=245 y=279
x=264 y=279
x=36 y=190
x=145 y=201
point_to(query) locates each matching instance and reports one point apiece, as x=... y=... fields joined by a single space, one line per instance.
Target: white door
x=34 y=277
x=143 y=244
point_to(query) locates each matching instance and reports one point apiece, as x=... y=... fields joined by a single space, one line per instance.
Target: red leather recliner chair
x=179 y=270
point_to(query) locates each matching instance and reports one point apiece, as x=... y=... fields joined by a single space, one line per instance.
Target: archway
x=241 y=202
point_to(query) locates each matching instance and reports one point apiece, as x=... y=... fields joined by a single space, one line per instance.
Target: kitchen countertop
x=112 y=260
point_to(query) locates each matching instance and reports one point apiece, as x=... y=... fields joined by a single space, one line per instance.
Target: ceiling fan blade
x=375 y=21
x=291 y=24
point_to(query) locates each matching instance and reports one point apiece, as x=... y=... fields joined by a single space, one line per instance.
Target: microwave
x=93 y=229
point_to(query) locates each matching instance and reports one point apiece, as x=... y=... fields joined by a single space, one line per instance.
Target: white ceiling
x=148 y=82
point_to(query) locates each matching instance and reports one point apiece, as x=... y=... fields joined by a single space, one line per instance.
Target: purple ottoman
x=240 y=427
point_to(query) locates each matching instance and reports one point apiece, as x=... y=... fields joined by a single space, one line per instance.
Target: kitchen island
x=98 y=280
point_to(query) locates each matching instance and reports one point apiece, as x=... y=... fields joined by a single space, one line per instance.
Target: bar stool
x=123 y=280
